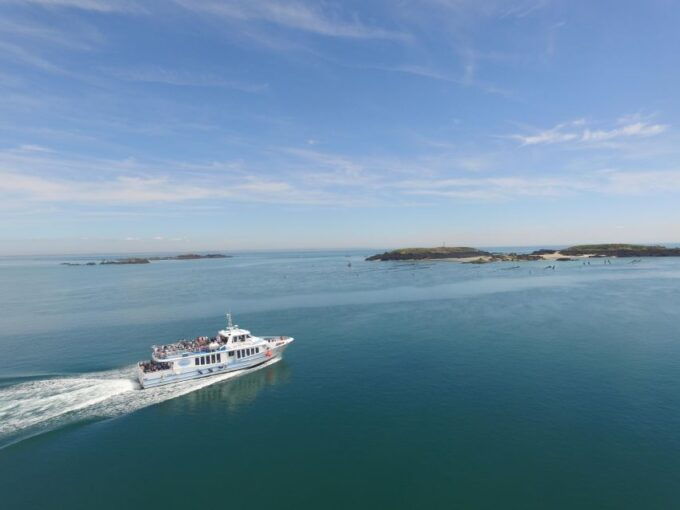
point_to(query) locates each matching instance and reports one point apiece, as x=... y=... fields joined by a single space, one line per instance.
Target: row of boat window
x=242 y=353
x=210 y=358
x=240 y=338
x=217 y=358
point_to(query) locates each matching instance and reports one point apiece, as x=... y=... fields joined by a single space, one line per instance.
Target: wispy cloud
x=642 y=182
x=568 y=132
x=22 y=30
x=87 y=5
x=465 y=78
x=181 y=78
x=126 y=190
x=39 y=175
x=606 y=182
x=20 y=55
x=298 y=15
x=492 y=188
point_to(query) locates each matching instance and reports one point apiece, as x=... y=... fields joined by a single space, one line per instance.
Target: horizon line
x=303 y=249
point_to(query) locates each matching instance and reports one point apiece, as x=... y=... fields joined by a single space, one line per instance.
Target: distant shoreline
x=474 y=256
x=147 y=260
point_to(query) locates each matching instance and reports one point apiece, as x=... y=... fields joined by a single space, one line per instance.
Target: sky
x=182 y=125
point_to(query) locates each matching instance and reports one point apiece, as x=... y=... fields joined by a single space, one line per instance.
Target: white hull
x=185 y=367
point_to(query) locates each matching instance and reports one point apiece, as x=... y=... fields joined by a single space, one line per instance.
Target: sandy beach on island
x=559 y=255
x=509 y=258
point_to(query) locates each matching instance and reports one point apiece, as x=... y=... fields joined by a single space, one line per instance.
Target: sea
x=410 y=385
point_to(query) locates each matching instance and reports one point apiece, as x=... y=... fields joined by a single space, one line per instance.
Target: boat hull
x=162 y=378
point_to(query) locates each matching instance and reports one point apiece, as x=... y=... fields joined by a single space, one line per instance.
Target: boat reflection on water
x=240 y=390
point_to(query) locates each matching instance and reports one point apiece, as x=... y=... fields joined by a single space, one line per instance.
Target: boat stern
x=153 y=373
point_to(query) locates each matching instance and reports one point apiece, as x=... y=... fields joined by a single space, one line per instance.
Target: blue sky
x=203 y=124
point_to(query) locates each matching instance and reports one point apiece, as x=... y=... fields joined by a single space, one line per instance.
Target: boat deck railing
x=200 y=344
x=272 y=339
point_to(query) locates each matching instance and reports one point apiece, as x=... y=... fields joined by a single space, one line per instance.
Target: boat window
x=238 y=354
x=231 y=353
x=219 y=357
x=212 y=358
x=202 y=360
x=257 y=350
x=196 y=360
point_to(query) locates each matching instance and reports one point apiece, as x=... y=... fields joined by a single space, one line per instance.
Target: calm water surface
x=428 y=385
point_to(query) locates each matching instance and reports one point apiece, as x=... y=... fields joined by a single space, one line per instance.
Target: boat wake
x=31 y=408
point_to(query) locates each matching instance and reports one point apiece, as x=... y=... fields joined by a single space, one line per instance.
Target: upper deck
x=203 y=343
x=232 y=334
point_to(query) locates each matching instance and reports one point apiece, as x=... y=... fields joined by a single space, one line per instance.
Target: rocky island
x=193 y=256
x=443 y=252
x=475 y=256
x=132 y=260
x=621 y=250
x=147 y=260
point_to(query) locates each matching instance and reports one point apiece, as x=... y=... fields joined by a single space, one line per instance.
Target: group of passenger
x=199 y=344
x=154 y=366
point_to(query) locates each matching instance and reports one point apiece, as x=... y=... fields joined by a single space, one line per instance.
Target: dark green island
x=141 y=260
x=621 y=250
x=442 y=252
x=475 y=256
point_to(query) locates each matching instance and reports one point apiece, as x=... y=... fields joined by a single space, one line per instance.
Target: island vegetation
x=131 y=260
x=442 y=252
x=476 y=256
x=147 y=260
x=193 y=256
x=622 y=250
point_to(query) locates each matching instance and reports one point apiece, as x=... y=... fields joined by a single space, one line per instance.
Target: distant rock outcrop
x=457 y=252
x=475 y=256
x=192 y=256
x=131 y=260
x=621 y=250
x=140 y=260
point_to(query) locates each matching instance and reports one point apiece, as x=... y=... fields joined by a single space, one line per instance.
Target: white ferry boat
x=232 y=349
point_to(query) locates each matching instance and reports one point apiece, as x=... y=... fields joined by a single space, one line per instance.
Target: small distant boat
x=232 y=349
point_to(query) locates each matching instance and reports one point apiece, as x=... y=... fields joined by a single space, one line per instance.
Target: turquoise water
x=429 y=385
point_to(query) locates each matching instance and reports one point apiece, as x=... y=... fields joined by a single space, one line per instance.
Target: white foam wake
x=34 y=407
